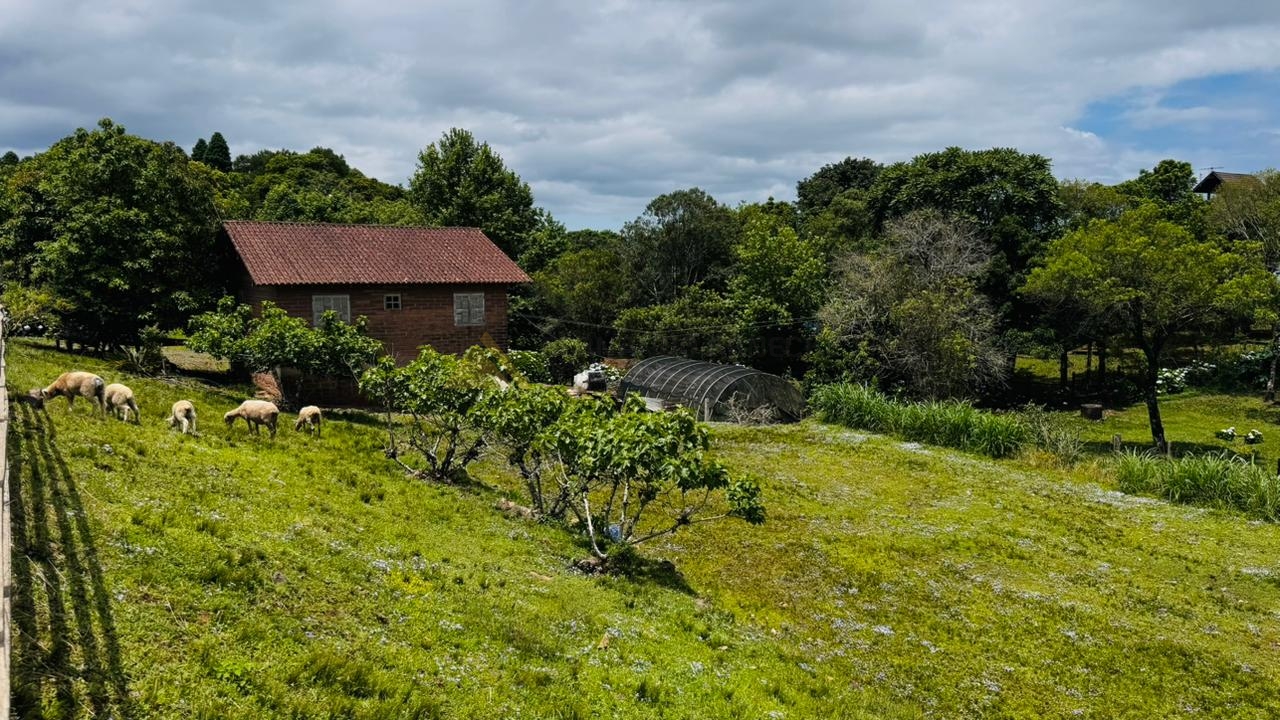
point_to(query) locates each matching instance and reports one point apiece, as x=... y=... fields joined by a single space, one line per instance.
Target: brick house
x=444 y=287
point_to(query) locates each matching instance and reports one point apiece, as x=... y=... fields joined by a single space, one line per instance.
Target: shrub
x=1054 y=434
x=565 y=358
x=532 y=364
x=1219 y=480
x=949 y=423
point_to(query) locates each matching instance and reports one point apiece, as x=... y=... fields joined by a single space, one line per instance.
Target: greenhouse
x=716 y=392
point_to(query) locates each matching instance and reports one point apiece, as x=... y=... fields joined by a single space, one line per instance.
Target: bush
x=1054 y=434
x=565 y=358
x=1219 y=480
x=949 y=423
x=532 y=364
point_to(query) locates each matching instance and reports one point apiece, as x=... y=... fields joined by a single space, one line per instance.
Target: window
x=340 y=304
x=391 y=302
x=468 y=308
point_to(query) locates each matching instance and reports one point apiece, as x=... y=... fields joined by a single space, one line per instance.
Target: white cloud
x=601 y=106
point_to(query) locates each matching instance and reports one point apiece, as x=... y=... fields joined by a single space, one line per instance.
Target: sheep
x=120 y=398
x=77 y=383
x=184 y=414
x=255 y=413
x=309 y=417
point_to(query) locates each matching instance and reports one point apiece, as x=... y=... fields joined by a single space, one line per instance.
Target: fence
x=6 y=537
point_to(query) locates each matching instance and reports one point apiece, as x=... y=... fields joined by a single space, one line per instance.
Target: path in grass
x=254 y=578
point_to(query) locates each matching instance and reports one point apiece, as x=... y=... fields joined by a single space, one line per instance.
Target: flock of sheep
x=119 y=401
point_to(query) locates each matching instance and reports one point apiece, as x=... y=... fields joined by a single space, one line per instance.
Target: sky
x=603 y=105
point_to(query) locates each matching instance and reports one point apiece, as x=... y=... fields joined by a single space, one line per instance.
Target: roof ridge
x=308 y=223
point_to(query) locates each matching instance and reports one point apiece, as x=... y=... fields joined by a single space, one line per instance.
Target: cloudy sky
x=603 y=105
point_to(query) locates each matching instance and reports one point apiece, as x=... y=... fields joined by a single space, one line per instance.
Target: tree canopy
x=120 y=229
x=462 y=182
x=1157 y=279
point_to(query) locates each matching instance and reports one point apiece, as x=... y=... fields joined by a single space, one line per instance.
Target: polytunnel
x=714 y=391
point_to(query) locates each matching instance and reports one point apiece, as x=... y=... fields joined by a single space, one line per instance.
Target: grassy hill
x=228 y=576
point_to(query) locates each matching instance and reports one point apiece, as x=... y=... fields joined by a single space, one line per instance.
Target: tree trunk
x=1088 y=363
x=1064 y=361
x=1102 y=363
x=1275 y=355
x=1153 y=402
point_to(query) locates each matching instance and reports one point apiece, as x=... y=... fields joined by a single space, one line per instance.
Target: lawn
x=227 y=576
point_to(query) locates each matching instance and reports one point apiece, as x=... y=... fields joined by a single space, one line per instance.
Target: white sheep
x=309 y=417
x=120 y=402
x=184 y=414
x=77 y=384
x=255 y=413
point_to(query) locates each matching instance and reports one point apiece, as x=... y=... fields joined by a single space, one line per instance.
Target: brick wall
x=425 y=316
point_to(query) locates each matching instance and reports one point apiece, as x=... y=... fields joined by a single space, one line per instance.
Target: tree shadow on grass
x=66 y=657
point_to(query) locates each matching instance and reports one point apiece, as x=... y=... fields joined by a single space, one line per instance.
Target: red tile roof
x=285 y=253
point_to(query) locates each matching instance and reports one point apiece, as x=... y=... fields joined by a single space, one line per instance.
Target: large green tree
x=1008 y=197
x=460 y=181
x=121 y=230
x=683 y=238
x=1157 y=279
x=816 y=192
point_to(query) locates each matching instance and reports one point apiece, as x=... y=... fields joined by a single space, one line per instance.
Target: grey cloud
x=601 y=106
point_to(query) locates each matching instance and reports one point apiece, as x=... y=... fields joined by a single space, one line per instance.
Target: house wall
x=425 y=317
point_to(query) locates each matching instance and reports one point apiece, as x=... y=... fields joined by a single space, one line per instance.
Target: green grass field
x=162 y=576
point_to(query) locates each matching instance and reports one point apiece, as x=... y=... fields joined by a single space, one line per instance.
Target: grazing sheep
x=77 y=383
x=184 y=414
x=120 y=398
x=255 y=413
x=309 y=417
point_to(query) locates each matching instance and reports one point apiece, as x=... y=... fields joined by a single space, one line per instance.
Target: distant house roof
x=285 y=253
x=1215 y=179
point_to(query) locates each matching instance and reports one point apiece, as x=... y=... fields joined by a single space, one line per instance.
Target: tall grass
x=1219 y=480
x=948 y=423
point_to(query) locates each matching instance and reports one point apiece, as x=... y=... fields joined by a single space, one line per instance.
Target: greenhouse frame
x=714 y=391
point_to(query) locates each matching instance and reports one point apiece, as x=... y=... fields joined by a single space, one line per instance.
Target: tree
x=120 y=228
x=462 y=182
x=816 y=192
x=200 y=150
x=1250 y=210
x=1158 y=279
x=1009 y=198
x=579 y=294
x=217 y=154
x=1167 y=186
x=274 y=340
x=910 y=315
x=683 y=238
x=442 y=395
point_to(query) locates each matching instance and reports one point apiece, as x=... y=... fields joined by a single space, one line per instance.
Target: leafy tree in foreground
x=626 y=476
x=1157 y=279
x=462 y=182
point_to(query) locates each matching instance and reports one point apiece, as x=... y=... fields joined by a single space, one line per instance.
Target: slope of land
x=228 y=576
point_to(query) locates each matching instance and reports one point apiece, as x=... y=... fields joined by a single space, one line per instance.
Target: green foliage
x=315 y=186
x=773 y=262
x=27 y=306
x=120 y=229
x=442 y=396
x=1157 y=279
x=682 y=239
x=273 y=340
x=532 y=364
x=816 y=193
x=565 y=358
x=605 y=467
x=217 y=154
x=580 y=294
x=465 y=183
x=1221 y=480
x=911 y=314
x=947 y=423
x=1010 y=198
x=199 y=150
